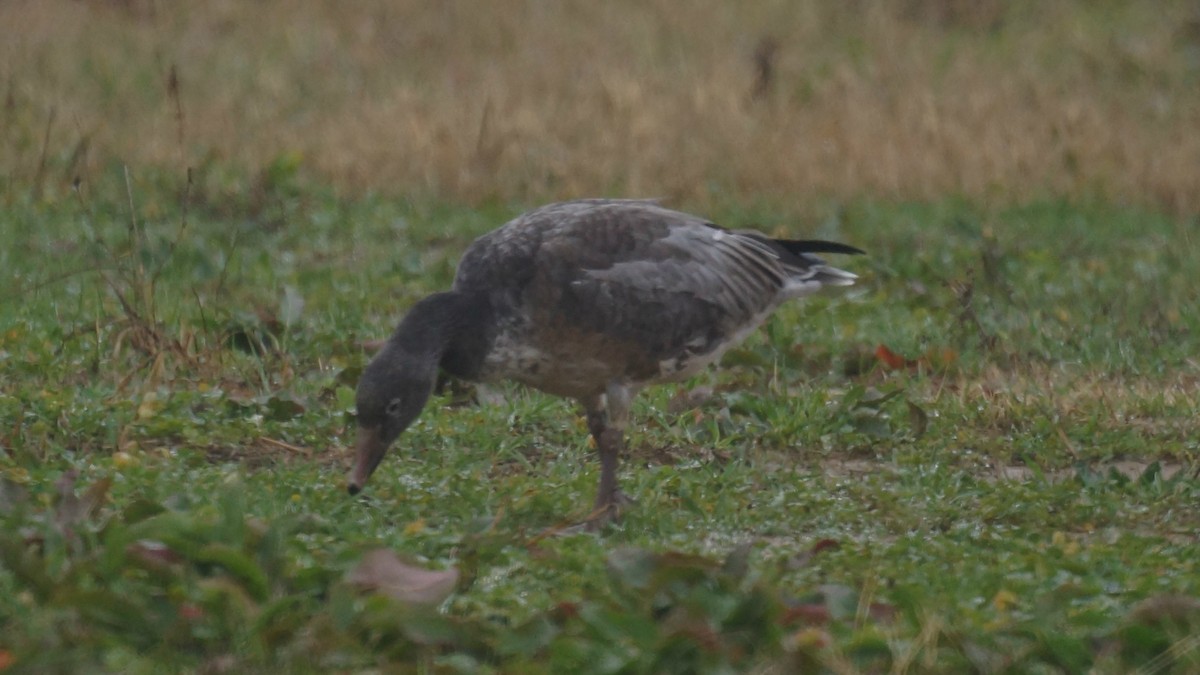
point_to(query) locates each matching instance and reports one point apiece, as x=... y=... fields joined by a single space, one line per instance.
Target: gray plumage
x=591 y=299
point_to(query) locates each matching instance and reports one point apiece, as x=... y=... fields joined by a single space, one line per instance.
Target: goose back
x=587 y=292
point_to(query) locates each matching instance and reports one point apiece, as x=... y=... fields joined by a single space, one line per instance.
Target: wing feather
x=659 y=282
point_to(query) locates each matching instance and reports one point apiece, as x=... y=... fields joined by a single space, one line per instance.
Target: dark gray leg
x=607 y=418
x=608 y=495
x=597 y=418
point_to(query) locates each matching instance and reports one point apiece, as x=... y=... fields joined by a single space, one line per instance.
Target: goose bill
x=369 y=452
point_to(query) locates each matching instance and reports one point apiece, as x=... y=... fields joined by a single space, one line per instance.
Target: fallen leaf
x=284 y=407
x=809 y=638
x=881 y=612
x=124 y=460
x=891 y=359
x=687 y=399
x=804 y=558
x=643 y=570
x=810 y=613
x=1004 y=599
x=564 y=611
x=825 y=545
x=382 y=571
x=72 y=510
x=190 y=612
x=154 y=553
x=941 y=358
x=1164 y=607
x=917 y=418
x=934 y=359
x=149 y=406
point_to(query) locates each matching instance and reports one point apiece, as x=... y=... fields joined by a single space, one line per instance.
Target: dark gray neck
x=452 y=328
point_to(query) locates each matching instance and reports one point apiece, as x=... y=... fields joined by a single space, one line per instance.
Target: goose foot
x=608 y=510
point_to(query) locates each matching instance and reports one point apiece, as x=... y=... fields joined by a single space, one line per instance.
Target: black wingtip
x=798 y=246
x=353 y=489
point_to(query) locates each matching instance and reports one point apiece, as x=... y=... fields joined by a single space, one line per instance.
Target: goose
x=590 y=299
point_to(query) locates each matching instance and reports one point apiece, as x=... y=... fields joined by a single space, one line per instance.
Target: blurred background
x=698 y=102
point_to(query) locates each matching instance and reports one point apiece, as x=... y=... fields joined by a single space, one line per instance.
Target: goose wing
x=635 y=283
x=671 y=282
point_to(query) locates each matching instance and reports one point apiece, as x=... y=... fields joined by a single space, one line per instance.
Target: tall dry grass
x=528 y=100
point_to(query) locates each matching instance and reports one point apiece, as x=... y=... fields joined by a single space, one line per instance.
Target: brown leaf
x=93 y=498
x=191 y=612
x=882 y=612
x=825 y=545
x=809 y=639
x=687 y=399
x=942 y=358
x=1157 y=608
x=934 y=359
x=153 y=553
x=372 y=345
x=564 y=611
x=804 y=558
x=810 y=613
x=917 y=418
x=891 y=359
x=72 y=510
x=382 y=571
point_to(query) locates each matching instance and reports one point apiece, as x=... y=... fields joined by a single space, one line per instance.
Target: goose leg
x=607 y=419
x=597 y=417
x=608 y=495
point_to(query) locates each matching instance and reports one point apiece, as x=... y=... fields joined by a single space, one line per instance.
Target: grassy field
x=983 y=458
x=523 y=101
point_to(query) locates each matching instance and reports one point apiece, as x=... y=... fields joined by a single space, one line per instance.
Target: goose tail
x=811 y=271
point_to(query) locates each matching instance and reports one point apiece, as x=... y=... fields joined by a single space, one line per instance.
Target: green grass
x=176 y=400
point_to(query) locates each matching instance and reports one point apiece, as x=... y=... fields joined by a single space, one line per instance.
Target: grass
x=982 y=458
x=1017 y=493
x=522 y=102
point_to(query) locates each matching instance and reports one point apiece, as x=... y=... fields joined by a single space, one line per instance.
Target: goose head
x=391 y=394
x=445 y=330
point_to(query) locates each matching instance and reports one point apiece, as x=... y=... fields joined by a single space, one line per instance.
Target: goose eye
x=393 y=407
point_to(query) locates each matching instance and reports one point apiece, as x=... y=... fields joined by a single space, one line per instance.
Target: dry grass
x=696 y=101
x=1102 y=403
